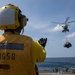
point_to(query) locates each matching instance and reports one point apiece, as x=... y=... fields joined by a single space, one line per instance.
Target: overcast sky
x=41 y=14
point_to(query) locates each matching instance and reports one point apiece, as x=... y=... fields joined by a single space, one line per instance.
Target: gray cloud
x=56 y=28
x=72 y=35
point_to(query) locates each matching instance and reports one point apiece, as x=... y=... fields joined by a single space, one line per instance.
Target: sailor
x=18 y=53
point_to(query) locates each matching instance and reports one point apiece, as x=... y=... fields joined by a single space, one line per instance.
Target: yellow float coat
x=19 y=60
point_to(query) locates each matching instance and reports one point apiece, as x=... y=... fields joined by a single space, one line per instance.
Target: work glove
x=43 y=42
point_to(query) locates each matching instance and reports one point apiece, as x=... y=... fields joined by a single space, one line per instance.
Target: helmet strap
x=22 y=30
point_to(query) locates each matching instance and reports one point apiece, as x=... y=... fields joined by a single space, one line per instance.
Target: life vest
x=16 y=55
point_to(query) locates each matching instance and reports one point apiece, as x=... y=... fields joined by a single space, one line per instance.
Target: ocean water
x=60 y=63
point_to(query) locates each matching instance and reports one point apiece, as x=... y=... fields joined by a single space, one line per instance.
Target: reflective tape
x=12 y=46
